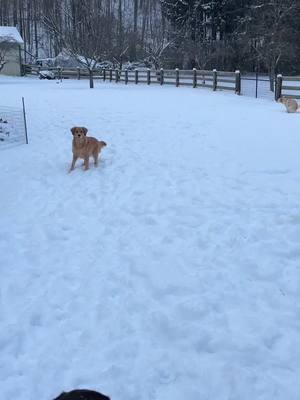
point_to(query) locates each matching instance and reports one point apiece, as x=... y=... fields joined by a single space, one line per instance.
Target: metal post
x=148 y=76
x=238 y=82
x=126 y=76
x=136 y=76
x=177 y=77
x=162 y=78
x=215 y=80
x=78 y=73
x=256 y=83
x=91 y=73
x=110 y=75
x=104 y=75
x=117 y=75
x=25 y=123
x=194 y=78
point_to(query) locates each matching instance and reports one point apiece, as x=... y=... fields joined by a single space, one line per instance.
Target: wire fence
x=258 y=86
x=13 y=130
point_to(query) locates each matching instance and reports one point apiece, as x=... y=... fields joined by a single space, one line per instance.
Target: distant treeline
x=222 y=34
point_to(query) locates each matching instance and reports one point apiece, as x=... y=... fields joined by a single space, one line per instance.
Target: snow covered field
x=170 y=272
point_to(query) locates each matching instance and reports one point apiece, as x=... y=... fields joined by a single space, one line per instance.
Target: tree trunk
x=36 y=43
x=134 y=37
x=272 y=77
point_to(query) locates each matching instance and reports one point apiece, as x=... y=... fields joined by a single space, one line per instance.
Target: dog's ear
x=85 y=131
x=61 y=396
x=73 y=130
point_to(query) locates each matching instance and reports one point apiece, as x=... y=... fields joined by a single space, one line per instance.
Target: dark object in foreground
x=82 y=394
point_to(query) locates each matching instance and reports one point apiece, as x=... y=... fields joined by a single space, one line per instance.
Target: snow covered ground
x=173 y=270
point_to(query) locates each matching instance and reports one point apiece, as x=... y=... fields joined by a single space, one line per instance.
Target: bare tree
x=84 y=35
x=273 y=31
x=156 y=51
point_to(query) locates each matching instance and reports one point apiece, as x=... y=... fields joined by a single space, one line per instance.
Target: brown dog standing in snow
x=85 y=147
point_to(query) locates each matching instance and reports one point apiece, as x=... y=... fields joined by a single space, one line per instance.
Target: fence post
x=117 y=75
x=78 y=73
x=256 y=82
x=177 y=77
x=278 y=89
x=194 y=78
x=104 y=75
x=215 y=80
x=126 y=76
x=162 y=77
x=238 y=82
x=136 y=76
x=148 y=76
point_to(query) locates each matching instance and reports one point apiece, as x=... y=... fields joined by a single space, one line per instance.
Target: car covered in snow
x=46 y=74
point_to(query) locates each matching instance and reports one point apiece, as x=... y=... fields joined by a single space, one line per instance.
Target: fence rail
x=287 y=86
x=215 y=80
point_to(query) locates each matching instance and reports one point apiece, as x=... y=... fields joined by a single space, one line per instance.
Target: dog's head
x=282 y=100
x=79 y=132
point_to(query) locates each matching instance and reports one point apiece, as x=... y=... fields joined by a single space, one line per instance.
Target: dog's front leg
x=86 y=163
x=73 y=163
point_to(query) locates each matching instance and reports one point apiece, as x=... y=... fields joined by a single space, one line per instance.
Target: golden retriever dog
x=85 y=147
x=290 y=104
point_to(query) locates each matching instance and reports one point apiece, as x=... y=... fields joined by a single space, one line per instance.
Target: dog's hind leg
x=73 y=163
x=96 y=155
x=86 y=163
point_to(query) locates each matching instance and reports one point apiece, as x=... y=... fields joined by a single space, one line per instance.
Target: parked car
x=46 y=74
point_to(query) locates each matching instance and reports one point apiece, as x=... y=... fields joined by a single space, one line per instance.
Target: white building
x=11 y=47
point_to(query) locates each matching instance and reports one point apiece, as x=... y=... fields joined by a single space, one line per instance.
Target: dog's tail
x=101 y=144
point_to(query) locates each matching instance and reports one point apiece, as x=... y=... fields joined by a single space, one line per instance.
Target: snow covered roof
x=11 y=34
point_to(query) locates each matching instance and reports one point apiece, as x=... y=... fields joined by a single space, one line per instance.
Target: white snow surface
x=171 y=271
x=10 y=33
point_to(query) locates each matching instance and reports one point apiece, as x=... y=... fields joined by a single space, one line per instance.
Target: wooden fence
x=287 y=86
x=215 y=80
x=60 y=73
